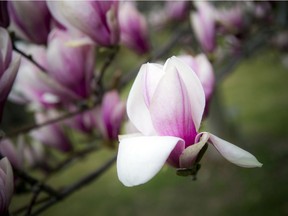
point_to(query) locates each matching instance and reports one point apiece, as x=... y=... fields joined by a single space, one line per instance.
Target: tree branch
x=29 y=58
x=76 y=186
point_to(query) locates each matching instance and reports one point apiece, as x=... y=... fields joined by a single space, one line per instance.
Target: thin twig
x=50 y=121
x=74 y=157
x=35 y=182
x=106 y=64
x=250 y=47
x=24 y=207
x=29 y=58
x=33 y=201
x=77 y=185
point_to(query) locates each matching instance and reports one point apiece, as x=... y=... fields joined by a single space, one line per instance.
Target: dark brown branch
x=36 y=183
x=75 y=156
x=76 y=186
x=29 y=58
x=106 y=64
x=51 y=121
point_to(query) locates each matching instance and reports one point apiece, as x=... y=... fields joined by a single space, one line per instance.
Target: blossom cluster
x=62 y=43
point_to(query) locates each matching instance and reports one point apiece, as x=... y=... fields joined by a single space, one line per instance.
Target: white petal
x=194 y=89
x=137 y=109
x=234 y=154
x=141 y=158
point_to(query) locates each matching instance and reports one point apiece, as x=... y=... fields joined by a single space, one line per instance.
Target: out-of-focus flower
x=166 y=104
x=4 y=16
x=83 y=122
x=261 y=9
x=52 y=135
x=231 y=20
x=7 y=149
x=9 y=64
x=203 y=23
x=110 y=115
x=6 y=185
x=31 y=20
x=204 y=70
x=33 y=153
x=71 y=66
x=99 y=22
x=36 y=88
x=133 y=27
x=177 y=10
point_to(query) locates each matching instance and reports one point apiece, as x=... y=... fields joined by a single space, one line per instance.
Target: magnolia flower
x=204 y=70
x=166 y=104
x=6 y=185
x=8 y=150
x=30 y=20
x=133 y=27
x=99 y=22
x=109 y=116
x=52 y=135
x=70 y=66
x=177 y=10
x=36 y=88
x=231 y=19
x=9 y=64
x=203 y=23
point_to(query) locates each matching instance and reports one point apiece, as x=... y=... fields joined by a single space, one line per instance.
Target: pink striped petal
x=189 y=155
x=170 y=107
x=193 y=87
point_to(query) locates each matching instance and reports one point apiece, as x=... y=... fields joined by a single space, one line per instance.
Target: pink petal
x=189 y=155
x=170 y=107
x=193 y=87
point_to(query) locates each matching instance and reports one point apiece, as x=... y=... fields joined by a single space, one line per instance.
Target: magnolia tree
x=67 y=65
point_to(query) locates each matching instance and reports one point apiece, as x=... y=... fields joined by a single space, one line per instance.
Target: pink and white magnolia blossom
x=177 y=10
x=166 y=104
x=52 y=135
x=204 y=70
x=203 y=23
x=109 y=116
x=96 y=19
x=9 y=65
x=71 y=66
x=6 y=185
x=231 y=20
x=36 y=88
x=31 y=20
x=7 y=149
x=133 y=28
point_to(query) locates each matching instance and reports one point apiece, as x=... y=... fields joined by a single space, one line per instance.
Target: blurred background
x=248 y=108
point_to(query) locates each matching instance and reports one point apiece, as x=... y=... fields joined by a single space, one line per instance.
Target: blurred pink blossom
x=6 y=185
x=133 y=28
x=96 y=19
x=9 y=65
x=31 y=20
x=110 y=115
